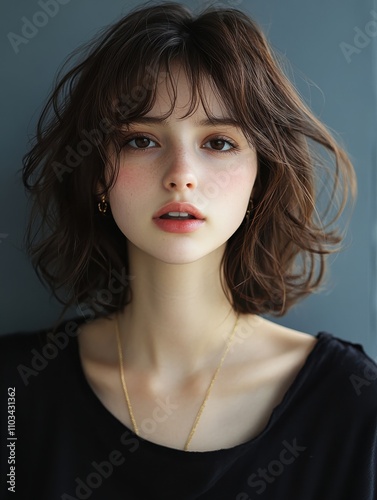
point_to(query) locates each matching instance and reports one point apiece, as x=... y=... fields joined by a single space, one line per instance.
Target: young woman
x=174 y=178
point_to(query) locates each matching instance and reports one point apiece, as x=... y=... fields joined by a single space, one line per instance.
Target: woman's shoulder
x=42 y=362
x=26 y=353
x=279 y=340
x=352 y=371
x=343 y=374
x=18 y=343
x=323 y=363
x=21 y=340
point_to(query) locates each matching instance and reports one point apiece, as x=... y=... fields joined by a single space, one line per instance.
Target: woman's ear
x=99 y=190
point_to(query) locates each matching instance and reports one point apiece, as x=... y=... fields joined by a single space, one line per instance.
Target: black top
x=319 y=444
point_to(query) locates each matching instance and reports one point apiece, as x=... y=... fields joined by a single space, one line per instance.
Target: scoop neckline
x=321 y=337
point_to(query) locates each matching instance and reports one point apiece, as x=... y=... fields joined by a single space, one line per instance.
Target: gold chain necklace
x=199 y=414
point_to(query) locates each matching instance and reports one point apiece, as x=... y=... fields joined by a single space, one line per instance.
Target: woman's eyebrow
x=205 y=122
x=230 y=122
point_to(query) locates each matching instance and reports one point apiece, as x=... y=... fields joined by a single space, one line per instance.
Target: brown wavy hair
x=272 y=261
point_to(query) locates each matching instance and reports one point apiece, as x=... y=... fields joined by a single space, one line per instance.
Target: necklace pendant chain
x=123 y=380
x=201 y=409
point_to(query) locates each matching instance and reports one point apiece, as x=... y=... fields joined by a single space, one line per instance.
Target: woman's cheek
x=238 y=180
x=130 y=184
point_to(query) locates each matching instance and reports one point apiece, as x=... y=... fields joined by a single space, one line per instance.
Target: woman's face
x=211 y=167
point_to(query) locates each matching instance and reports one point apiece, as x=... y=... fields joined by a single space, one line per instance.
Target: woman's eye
x=140 y=142
x=219 y=144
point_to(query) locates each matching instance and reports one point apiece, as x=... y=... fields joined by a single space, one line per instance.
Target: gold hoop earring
x=102 y=205
x=250 y=208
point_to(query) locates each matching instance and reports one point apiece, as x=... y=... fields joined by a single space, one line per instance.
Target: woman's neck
x=179 y=318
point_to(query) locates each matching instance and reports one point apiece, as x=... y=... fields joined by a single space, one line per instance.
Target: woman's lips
x=172 y=218
x=182 y=207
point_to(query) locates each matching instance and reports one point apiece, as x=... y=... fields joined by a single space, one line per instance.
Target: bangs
x=129 y=67
x=132 y=94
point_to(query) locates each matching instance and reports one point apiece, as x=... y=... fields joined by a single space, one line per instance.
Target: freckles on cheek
x=130 y=182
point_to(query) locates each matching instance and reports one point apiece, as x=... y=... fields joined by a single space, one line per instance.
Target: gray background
x=342 y=93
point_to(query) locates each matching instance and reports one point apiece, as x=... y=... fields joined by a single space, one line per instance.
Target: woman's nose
x=180 y=174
